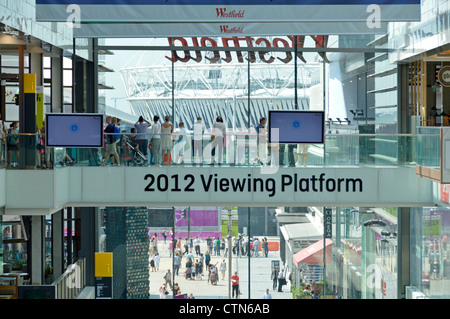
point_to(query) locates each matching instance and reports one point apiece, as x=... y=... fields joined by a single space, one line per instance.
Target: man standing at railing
x=141 y=129
x=199 y=129
x=3 y=132
x=262 y=141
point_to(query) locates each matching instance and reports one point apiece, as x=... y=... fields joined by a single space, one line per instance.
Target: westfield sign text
x=320 y=41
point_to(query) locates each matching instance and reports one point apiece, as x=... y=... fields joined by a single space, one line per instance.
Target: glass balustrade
x=429 y=147
x=235 y=149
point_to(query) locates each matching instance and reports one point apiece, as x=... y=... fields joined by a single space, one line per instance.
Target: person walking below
x=207 y=258
x=163 y=292
x=197 y=245
x=266 y=247
x=274 y=277
x=223 y=268
x=218 y=242
x=235 y=285
x=168 y=278
x=176 y=263
x=256 y=247
x=267 y=295
x=281 y=280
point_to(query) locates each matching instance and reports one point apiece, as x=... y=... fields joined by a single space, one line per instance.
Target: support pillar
x=87 y=216
x=58 y=243
x=37 y=249
x=403 y=239
x=57 y=85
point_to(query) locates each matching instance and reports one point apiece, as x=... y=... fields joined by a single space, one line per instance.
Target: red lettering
x=262 y=53
x=300 y=44
x=286 y=45
x=320 y=42
x=251 y=54
x=198 y=57
x=235 y=41
x=213 y=43
x=187 y=55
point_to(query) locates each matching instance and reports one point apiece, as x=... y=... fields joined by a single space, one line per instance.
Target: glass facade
x=429 y=254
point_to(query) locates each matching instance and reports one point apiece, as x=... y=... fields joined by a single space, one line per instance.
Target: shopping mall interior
x=355 y=207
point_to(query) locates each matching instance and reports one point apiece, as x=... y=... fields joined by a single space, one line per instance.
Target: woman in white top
x=156 y=141
x=223 y=268
x=219 y=132
x=166 y=140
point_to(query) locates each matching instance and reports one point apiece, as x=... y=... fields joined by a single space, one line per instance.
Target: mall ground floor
x=373 y=253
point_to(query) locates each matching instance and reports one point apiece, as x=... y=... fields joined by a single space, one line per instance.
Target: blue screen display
x=296 y=127
x=74 y=130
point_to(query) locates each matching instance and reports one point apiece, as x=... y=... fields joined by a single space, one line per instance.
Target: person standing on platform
x=141 y=129
x=166 y=140
x=235 y=285
x=179 y=147
x=112 y=139
x=219 y=131
x=199 y=129
x=13 y=141
x=156 y=141
x=302 y=152
x=261 y=139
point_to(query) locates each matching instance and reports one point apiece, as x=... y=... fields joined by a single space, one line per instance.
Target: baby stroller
x=213 y=278
x=137 y=158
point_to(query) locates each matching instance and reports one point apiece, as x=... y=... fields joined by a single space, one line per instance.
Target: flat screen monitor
x=74 y=130
x=296 y=127
x=36 y=292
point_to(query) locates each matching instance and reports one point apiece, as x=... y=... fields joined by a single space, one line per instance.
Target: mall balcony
x=347 y=169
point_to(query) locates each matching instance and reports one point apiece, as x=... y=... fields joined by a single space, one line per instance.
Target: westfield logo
x=226 y=29
x=223 y=13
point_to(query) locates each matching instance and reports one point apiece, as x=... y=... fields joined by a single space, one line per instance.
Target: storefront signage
x=103 y=288
x=444 y=76
x=163 y=30
x=251 y=43
x=210 y=11
x=328 y=224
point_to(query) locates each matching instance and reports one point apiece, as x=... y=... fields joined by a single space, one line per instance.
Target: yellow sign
x=29 y=80
x=40 y=107
x=103 y=264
